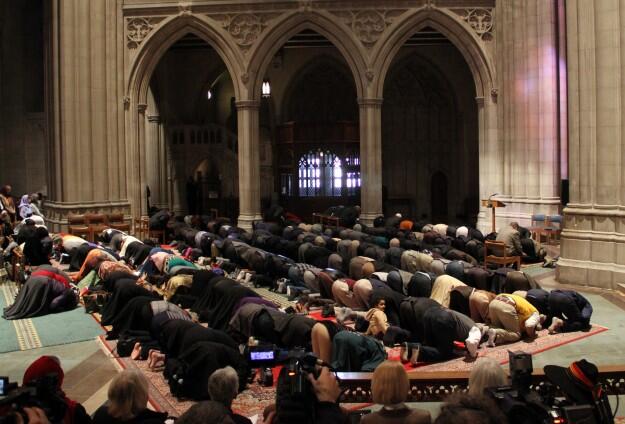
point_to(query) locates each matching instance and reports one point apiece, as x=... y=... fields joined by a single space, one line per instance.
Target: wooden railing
x=436 y=386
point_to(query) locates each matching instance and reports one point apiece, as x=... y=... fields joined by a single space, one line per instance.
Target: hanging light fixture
x=266 y=89
x=209 y=94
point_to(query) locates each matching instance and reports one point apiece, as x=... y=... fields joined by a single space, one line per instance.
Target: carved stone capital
x=141 y=107
x=370 y=102
x=154 y=119
x=247 y=104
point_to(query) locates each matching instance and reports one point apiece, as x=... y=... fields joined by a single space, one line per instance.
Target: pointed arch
x=152 y=49
x=300 y=75
x=293 y=24
x=469 y=45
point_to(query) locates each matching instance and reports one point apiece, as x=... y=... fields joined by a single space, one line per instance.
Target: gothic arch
x=150 y=52
x=294 y=23
x=152 y=49
x=301 y=73
x=447 y=24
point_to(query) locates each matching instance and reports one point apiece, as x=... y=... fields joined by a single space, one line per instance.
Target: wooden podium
x=493 y=204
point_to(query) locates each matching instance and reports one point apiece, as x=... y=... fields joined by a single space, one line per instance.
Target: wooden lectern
x=493 y=204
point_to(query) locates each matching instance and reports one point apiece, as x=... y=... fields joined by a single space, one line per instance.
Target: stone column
x=370 y=158
x=593 y=239
x=528 y=109
x=249 y=163
x=88 y=168
x=152 y=159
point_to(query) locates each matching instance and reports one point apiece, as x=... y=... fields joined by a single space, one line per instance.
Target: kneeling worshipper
x=138 y=313
x=570 y=310
x=47 y=290
x=511 y=316
x=441 y=327
x=38 y=247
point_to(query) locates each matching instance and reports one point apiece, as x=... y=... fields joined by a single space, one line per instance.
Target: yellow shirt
x=524 y=309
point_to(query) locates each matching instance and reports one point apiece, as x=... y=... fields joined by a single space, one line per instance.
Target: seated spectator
x=206 y=412
x=223 y=387
x=128 y=402
x=512 y=239
x=322 y=404
x=46 y=366
x=486 y=373
x=7 y=203
x=389 y=388
x=462 y=408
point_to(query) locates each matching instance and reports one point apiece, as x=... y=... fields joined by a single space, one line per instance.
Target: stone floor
x=88 y=370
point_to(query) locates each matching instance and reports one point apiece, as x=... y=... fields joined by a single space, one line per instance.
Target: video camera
x=298 y=364
x=41 y=393
x=523 y=405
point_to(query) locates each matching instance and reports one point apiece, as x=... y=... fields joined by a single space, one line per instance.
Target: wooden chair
x=554 y=226
x=499 y=247
x=77 y=226
x=97 y=222
x=537 y=228
x=143 y=230
x=117 y=221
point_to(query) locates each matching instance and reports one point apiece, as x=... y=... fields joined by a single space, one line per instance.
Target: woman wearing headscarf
x=50 y=367
x=138 y=313
x=25 y=210
x=38 y=248
x=47 y=290
x=124 y=290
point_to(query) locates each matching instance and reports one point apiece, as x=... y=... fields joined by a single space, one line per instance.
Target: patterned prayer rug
x=543 y=342
x=47 y=330
x=255 y=398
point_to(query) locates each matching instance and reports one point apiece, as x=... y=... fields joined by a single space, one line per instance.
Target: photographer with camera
x=41 y=399
x=306 y=393
x=316 y=402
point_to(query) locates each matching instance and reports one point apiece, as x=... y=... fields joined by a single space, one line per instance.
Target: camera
x=41 y=393
x=297 y=362
x=523 y=405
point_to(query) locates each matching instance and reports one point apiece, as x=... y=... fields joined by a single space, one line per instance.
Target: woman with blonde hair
x=486 y=373
x=389 y=388
x=128 y=401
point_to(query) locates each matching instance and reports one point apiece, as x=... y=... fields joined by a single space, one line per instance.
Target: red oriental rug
x=543 y=342
x=255 y=398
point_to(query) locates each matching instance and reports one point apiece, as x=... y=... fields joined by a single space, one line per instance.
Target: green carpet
x=48 y=330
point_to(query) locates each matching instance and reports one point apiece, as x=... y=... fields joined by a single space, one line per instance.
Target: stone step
x=621 y=287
